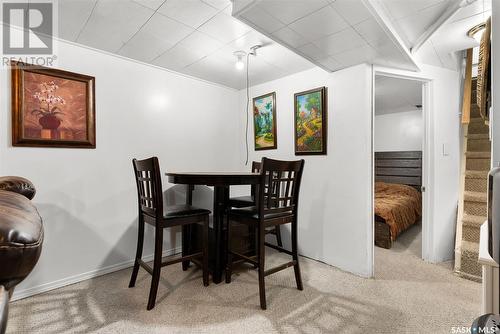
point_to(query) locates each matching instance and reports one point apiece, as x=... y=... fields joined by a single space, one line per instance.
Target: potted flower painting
x=52 y=107
x=49 y=110
x=264 y=117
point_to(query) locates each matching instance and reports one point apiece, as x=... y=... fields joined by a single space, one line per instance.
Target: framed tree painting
x=52 y=108
x=264 y=120
x=311 y=122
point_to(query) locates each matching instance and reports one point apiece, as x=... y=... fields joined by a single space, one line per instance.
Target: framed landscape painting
x=311 y=121
x=264 y=120
x=52 y=108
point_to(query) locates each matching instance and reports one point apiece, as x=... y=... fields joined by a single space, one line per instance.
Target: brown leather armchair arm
x=4 y=309
x=18 y=185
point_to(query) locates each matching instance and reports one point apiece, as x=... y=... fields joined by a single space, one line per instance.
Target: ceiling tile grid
x=195 y=37
x=329 y=33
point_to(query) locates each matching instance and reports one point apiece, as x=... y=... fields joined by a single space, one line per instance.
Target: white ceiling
x=396 y=95
x=339 y=33
x=195 y=37
x=333 y=34
x=412 y=18
x=198 y=37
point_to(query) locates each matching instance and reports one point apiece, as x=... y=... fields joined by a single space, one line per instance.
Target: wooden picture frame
x=310 y=122
x=264 y=111
x=51 y=107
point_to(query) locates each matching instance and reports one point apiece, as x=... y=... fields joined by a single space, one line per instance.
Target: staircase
x=473 y=202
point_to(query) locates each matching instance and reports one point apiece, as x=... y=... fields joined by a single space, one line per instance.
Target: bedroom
x=398 y=170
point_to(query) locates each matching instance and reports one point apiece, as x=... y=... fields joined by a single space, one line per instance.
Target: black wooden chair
x=277 y=195
x=245 y=201
x=150 y=195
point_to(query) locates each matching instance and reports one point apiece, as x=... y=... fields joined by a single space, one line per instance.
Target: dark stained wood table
x=221 y=181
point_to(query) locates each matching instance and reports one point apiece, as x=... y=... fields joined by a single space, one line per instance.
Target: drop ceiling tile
x=224 y=28
x=113 y=23
x=226 y=53
x=321 y=23
x=213 y=69
x=200 y=43
x=330 y=63
x=157 y=36
x=404 y=8
x=477 y=8
x=415 y=25
x=355 y=56
x=177 y=57
x=190 y=12
x=263 y=20
x=345 y=40
x=72 y=17
x=352 y=11
x=250 y=39
x=218 y=4
x=312 y=51
x=282 y=57
x=371 y=32
x=288 y=11
x=290 y=37
x=152 y=4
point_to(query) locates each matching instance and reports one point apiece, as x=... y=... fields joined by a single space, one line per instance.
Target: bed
x=398 y=200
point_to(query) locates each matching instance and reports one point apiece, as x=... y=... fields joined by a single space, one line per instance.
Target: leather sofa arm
x=18 y=185
x=4 y=309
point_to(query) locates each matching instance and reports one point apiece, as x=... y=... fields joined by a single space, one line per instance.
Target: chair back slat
x=255 y=169
x=280 y=186
x=149 y=190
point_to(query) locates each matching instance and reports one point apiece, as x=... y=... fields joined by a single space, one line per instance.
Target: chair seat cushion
x=177 y=211
x=251 y=212
x=241 y=201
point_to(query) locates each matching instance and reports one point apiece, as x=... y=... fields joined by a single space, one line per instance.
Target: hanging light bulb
x=240 y=64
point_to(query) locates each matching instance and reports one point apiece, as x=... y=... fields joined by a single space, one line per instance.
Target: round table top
x=213 y=178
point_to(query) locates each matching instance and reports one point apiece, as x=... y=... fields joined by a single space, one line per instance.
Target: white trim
x=35 y=290
x=427 y=153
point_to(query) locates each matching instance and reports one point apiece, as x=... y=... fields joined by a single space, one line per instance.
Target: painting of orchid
x=264 y=116
x=310 y=122
x=52 y=108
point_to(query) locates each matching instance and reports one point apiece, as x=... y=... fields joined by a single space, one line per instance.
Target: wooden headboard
x=404 y=167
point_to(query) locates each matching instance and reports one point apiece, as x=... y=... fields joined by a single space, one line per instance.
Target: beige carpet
x=407 y=296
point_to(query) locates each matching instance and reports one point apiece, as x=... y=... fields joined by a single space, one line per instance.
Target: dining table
x=221 y=182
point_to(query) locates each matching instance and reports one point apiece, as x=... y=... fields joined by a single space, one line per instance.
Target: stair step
x=476 y=174
x=471 y=220
x=470 y=246
x=469 y=260
x=477 y=182
x=478 y=145
x=478 y=136
x=477 y=125
x=470 y=233
x=474 y=196
x=478 y=155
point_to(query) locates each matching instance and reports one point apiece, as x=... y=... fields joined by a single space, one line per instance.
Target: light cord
x=248 y=105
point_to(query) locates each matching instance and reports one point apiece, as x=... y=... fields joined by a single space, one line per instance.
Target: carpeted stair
x=474 y=199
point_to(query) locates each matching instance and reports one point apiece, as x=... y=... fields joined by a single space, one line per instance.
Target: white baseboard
x=24 y=293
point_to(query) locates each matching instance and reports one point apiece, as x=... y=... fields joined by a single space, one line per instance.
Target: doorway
x=400 y=144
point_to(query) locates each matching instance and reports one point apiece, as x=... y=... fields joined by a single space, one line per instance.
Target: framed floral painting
x=52 y=108
x=264 y=121
x=311 y=122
